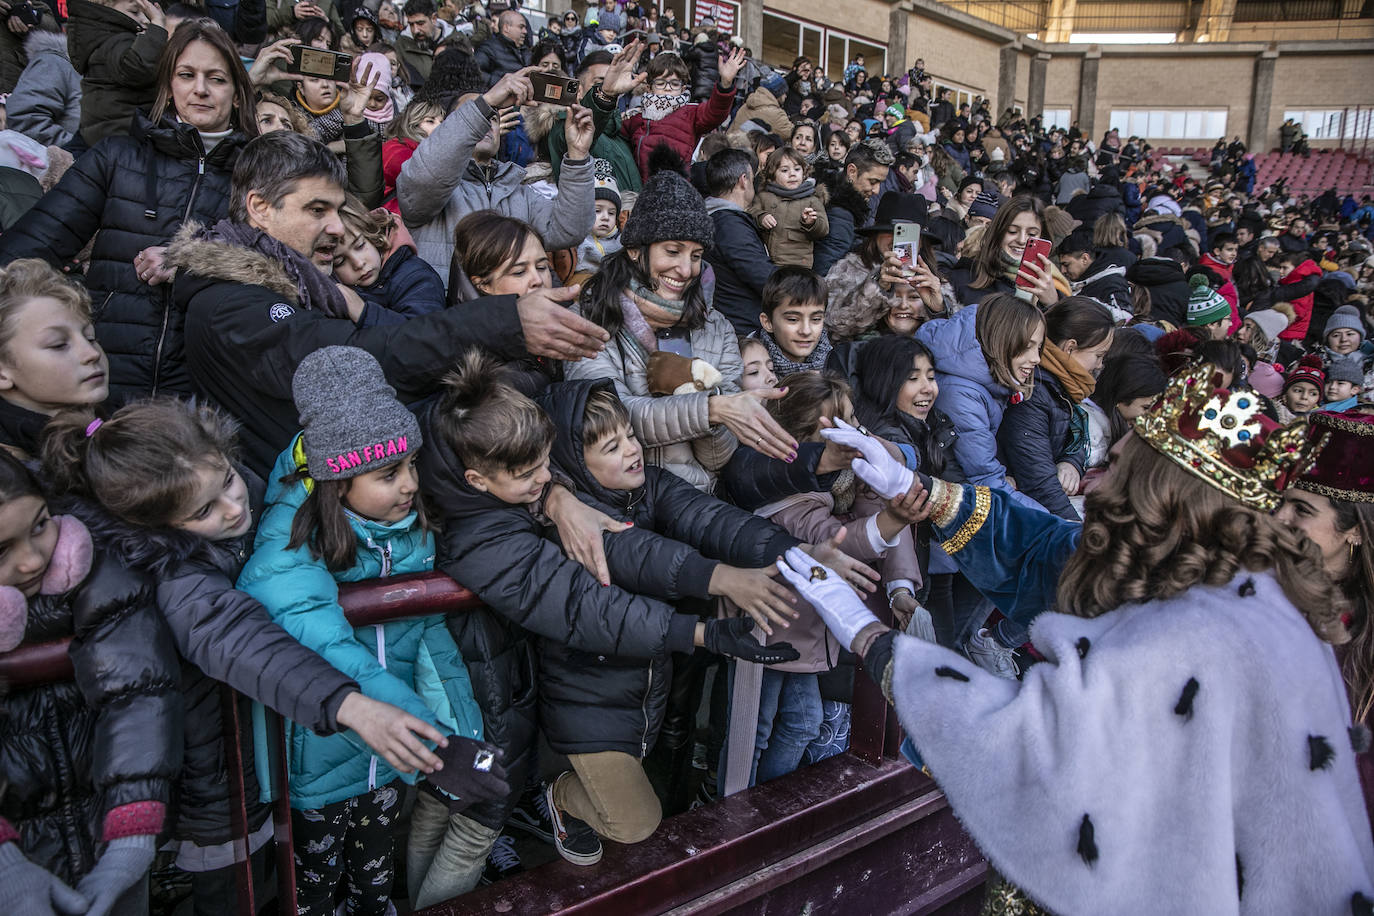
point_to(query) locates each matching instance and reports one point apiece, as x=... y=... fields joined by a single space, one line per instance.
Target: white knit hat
x=1272 y=323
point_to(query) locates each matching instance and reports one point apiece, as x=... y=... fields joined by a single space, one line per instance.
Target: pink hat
x=381 y=81
x=1267 y=379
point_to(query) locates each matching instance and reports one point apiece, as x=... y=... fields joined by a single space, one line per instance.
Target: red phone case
x=1034 y=249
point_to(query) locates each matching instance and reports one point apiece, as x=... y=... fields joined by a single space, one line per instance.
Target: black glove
x=731 y=637
x=472 y=772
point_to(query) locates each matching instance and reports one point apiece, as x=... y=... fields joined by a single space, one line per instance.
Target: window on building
x=1335 y=123
x=785 y=39
x=1056 y=117
x=1169 y=123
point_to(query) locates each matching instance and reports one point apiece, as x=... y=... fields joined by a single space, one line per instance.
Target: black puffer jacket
x=21 y=429
x=72 y=752
x=1033 y=439
x=591 y=700
x=1168 y=288
x=136 y=191
x=498 y=56
x=500 y=552
x=703 y=59
x=1098 y=202
x=223 y=635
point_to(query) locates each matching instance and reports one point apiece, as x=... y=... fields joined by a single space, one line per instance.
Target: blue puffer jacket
x=412 y=664
x=969 y=396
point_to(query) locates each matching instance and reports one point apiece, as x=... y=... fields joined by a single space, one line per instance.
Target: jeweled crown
x=1222 y=437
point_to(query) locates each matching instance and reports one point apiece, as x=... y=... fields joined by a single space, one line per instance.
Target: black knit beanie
x=667 y=209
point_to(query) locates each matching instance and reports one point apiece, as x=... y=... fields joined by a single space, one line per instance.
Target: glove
x=27 y=889
x=887 y=476
x=841 y=609
x=124 y=862
x=731 y=637
x=472 y=772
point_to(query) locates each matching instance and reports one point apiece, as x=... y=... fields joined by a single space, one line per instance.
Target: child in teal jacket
x=343 y=507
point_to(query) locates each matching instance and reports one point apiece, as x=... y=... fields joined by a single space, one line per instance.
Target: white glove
x=888 y=477
x=841 y=609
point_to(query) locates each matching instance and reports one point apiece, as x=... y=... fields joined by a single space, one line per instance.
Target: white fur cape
x=1189 y=756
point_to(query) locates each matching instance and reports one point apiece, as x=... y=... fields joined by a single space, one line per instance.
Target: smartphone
x=906 y=241
x=556 y=90
x=1035 y=248
x=330 y=65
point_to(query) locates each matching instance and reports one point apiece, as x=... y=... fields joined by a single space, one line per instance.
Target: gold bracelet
x=982 y=503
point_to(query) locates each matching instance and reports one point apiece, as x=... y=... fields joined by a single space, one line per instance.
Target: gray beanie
x=1272 y=323
x=352 y=421
x=668 y=209
x=1347 y=316
x=1348 y=368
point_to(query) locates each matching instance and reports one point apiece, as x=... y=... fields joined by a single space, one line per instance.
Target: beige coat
x=763 y=106
x=789 y=243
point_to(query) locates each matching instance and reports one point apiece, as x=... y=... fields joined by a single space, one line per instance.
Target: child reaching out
x=379 y=260
x=342 y=507
x=790 y=209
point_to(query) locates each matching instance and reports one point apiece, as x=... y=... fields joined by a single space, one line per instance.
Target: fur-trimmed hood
x=39 y=41
x=192 y=252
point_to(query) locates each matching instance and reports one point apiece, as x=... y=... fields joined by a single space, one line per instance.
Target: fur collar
x=843 y=195
x=228 y=263
x=39 y=41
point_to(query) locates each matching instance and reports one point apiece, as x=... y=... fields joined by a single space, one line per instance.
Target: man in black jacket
x=1099 y=276
x=258 y=298
x=865 y=169
x=505 y=51
x=1168 y=287
x=737 y=255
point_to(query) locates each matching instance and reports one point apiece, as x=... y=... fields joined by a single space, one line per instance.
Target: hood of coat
x=40 y=41
x=1155 y=272
x=91 y=25
x=566 y=405
x=954 y=344
x=843 y=195
x=446 y=490
x=220 y=261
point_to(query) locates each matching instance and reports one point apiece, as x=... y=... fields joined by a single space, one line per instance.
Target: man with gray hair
x=258 y=297
x=504 y=52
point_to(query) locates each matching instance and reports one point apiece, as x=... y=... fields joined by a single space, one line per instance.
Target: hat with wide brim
x=898 y=207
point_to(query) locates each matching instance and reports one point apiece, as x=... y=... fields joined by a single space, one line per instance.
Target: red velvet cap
x=1344 y=468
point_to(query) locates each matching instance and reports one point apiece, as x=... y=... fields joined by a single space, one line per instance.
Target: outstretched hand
x=858 y=574
x=843 y=611
x=580 y=528
x=554 y=331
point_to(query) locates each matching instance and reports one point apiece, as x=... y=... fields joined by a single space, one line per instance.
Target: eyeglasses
x=667 y=85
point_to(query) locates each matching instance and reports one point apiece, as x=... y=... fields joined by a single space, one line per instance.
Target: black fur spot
x=1247 y=588
x=1184 y=707
x=1087 y=845
x=946 y=671
x=1360 y=905
x=1240 y=878
x=1360 y=738
x=1083 y=646
x=1320 y=753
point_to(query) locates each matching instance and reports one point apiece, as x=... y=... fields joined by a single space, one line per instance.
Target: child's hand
x=768 y=221
x=730 y=66
x=1069 y=478
x=827 y=553
x=809 y=217
x=756 y=593
x=357 y=92
x=392 y=732
x=580 y=528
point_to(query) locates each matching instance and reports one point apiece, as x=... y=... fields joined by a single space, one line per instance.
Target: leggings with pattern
x=346 y=842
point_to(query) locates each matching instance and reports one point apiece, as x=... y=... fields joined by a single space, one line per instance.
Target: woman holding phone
x=999 y=264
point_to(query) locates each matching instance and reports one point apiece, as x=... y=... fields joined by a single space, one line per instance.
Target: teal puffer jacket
x=412 y=664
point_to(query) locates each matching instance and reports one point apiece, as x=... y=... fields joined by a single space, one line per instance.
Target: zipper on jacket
x=166 y=293
x=648 y=689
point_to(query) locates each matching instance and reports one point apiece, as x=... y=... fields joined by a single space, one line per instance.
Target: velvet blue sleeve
x=1011 y=553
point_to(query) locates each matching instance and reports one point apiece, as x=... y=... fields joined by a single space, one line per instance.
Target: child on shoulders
x=790 y=209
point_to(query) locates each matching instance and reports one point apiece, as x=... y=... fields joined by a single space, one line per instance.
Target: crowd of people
x=602 y=320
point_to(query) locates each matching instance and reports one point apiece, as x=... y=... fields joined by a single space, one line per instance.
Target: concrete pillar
x=1035 y=92
x=751 y=27
x=1257 y=137
x=897 y=19
x=1059 y=20
x=1214 y=22
x=1006 y=79
x=1087 y=93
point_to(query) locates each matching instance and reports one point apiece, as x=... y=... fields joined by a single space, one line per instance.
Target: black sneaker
x=531 y=815
x=502 y=862
x=576 y=841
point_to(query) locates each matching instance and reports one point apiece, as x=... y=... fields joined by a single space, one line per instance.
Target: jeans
x=610 y=791
x=789 y=720
x=445 y=854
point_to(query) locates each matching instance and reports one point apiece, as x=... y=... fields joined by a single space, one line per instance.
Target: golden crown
x=1222 y=437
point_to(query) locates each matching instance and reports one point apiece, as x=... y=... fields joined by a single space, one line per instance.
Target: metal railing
x=874 y=741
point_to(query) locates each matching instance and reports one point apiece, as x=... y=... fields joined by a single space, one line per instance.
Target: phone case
x=1034 y=248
